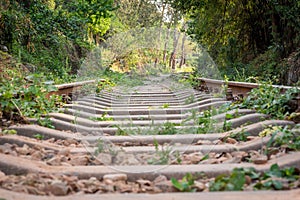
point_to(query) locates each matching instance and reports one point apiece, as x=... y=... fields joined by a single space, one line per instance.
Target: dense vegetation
x=52 y=36
x=245 y=38
x=248 y=38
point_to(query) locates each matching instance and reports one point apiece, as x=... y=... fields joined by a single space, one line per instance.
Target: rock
x=64 y=152
x=6 y=148
x=263 y=159
x=210 y=161
x=232 y=160
x=131 y=160
x=103 y=159
x=126 y=159
x=239 y=154
x=25 y=150
x=39 y=148
x=251 y=137
x=51 y=140
x=2 y=174
x=3 y=177
x=92 y=185
x=165 y=186
x=120 y=157
x=199 y=186
x=144 y=182
x=72 y=182
x=70 y=141
x=58 y=188
x=127 y=144
x=254 y=153
x=123 y=187
x=203 y=142
x=222 y=159
x=108 y=182
x=37 y=155
x=228 y=155
x=3 y=48
x=231 y=141
x=195 y=158
x=248 y=180
x=19 y=188
x=93 y=179
x=115 y=177
x=34 y=190
x=217 y=141
x=160 y=179
x=66 y=164
x=176 y=144
x=79 y=160
x=55 y=161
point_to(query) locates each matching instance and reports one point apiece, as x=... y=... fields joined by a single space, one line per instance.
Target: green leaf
x=205 y=157
x=277 y=184
x=177 y=184
x=9 y=132
x=267 y=184
x=237 y=181
x=229 y=116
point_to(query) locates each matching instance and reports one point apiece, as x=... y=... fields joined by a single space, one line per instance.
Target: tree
x=237 y=31
x=137 y=13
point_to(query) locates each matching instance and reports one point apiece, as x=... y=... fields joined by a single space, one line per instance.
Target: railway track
x=145 y=142
x=236 y=88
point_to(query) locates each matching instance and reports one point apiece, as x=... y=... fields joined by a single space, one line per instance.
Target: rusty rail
x=236 y=87
x=67 y=89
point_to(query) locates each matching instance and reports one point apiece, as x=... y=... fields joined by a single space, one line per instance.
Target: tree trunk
x=182 y=59
x=172 y=62
x=166 y=45
x=159 y=34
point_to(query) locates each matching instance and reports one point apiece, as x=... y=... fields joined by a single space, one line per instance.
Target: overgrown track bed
x=155 y=139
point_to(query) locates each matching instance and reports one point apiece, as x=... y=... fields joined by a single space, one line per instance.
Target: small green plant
x=225 y=85
x=186 y=184
x=38 y=136
x=190 y=99
x=166 y=105
x=274 y=178
x=104 y=147
x=27 y=96
x=9 y=132
x=269 y=100
x=102 y=118
x=240 y=136
x=269 y=131
x=100 y=147
x=205 y=122
x=162 y=155
x=227 y=125
x=121 y=131
x=234 y=182
x=167 y=128
x=46 y=122
x=205 y=157
x=104 y=84
x=178 y=157
x=287 y=139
